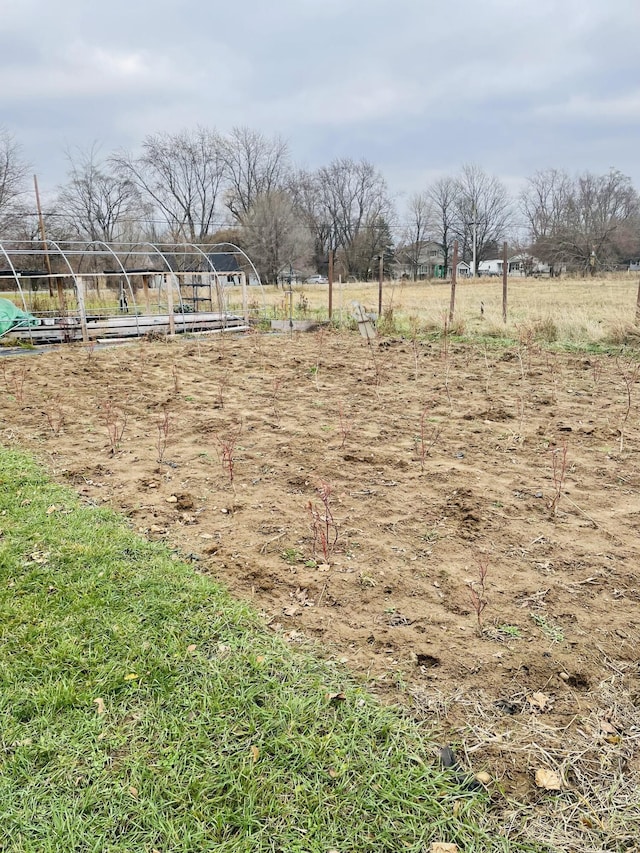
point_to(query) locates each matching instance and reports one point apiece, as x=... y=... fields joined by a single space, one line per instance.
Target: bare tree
x=483 y=211
x=415 y=233
x=98 y=203
x=442 y=197
x=306 y=192
x=13 y=176
x=372 y=243
x=254 y=165
x=543 y=202
x=275 y=235
x=345 y=205
x=588 y=222
x=181 y=175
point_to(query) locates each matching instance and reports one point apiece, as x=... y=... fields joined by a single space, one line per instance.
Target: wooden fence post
x=505 y=271
x=454 y=278
x=330 y=283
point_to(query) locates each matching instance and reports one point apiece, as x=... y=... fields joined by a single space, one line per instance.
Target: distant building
x=428 y=263
x=226 y=265
x=289 y=275
x=524 y=264
x=520 y=265
x=492 y=267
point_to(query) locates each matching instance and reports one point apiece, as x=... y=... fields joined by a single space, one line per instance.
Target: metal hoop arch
x=17 y=279
x=173 y=276
x=124 y=272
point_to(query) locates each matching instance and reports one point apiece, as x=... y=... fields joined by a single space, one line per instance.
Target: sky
x=415 y=86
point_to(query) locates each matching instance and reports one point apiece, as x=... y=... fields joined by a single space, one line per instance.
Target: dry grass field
x=575 y=311
x=571 y=311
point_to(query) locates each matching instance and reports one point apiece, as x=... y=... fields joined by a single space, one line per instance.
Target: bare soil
x=443 y=461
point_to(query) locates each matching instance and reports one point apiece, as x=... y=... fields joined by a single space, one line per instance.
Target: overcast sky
x=417 y=87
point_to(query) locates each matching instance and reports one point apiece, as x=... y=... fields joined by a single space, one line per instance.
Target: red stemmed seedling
x=558 y=473
x=115 y=421
x=55 y=416
x=478 y=589
x=227 y=445
x=323 y=524
x=14 y=382
x=163 y=434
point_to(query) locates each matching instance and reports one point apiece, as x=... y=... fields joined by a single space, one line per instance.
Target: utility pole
x=380 y=279
x=43 y=236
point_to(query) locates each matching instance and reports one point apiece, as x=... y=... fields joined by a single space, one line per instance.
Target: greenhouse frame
x=92 y=290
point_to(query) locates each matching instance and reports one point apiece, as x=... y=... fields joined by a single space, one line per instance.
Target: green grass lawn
x=142 y=709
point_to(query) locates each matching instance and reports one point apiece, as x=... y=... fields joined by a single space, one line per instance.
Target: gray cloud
x=417 y=87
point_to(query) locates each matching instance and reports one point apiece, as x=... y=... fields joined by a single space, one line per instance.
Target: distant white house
x=491 y=267
x=521 y=264
x=525 y=264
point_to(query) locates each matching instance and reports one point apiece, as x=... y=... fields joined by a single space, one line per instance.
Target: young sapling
x=164 y=426
x=223 y=385
x=558 y=473
x=55 y=416
x=14 y=382
x=227 y=445
x=425 y=446
x=275 y=391
x=478 y=590
x=115 y=421
x=415 y=344
x=630 y=373
x=323 y=524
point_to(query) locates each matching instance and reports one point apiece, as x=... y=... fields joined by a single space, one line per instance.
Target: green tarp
x=12 y=317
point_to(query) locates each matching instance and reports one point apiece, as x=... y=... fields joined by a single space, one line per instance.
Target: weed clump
x=622 y=334
x=545 y=330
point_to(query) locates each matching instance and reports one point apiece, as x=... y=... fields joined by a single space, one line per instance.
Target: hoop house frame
x=162 y=287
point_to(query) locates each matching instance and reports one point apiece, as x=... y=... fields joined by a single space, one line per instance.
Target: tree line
x=201 y=186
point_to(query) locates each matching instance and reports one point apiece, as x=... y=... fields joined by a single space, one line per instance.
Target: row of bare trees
x=201 y=186
x=176 y=187
x=472 y=207
x=197 y=186
x=588 y=222
x=585 y=222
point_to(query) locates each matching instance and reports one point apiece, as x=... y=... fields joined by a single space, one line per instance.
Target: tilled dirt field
x=479 y=558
